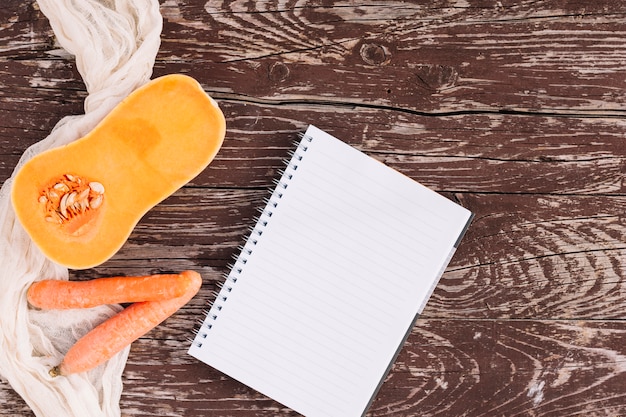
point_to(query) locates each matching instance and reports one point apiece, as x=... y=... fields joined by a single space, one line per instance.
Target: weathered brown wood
x=460 y=367
x=464 y=153
x=538 y=256
x=443 y=56
x=447 y=368
x=438 y=56
x=514 y=109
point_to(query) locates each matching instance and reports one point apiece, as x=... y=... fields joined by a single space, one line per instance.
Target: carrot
x=117 y=332
x=59 y=294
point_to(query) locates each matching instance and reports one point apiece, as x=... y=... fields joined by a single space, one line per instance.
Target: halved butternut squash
x=80 y=202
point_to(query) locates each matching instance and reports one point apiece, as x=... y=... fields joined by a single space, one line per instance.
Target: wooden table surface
x=514 y=109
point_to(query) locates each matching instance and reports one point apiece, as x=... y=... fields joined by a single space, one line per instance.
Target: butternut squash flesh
x=80 y=202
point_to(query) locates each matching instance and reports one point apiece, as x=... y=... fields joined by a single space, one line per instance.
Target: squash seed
x=70 y=196
x=96 y=187
x=96 y=202
x=61 y=187
x=63 y=205
x=53 y=219
x=83 y=195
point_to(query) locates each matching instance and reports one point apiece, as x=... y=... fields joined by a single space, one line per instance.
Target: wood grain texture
x=516 y=110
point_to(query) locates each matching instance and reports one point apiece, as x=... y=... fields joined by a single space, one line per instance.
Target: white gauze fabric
x=115 y=43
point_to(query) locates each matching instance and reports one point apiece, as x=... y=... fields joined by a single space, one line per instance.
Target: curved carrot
x=114 y=334
x=60 y=294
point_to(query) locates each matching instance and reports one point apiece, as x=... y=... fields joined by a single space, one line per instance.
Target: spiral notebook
x=329 y=283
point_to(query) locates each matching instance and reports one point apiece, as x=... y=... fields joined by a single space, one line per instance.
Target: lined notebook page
x=330 y=281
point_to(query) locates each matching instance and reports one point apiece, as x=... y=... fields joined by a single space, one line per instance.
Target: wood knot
x=437 y=77
x=374 y=54
x=278 y=72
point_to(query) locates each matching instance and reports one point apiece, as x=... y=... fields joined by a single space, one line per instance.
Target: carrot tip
x=54 y=372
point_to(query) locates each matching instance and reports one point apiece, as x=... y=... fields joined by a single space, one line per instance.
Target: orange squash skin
x=155 y=141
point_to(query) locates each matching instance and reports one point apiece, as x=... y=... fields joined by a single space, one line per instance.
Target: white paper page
x=347 y=259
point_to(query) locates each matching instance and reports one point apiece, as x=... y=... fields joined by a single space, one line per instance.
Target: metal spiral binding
x=245 y=251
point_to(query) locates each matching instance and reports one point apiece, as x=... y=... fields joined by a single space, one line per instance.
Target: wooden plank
x=435 y=57
x=524 y=256
x=447 y=367
x=464 y=153
x=446 y=56
x=458 y=367
x=538 y=257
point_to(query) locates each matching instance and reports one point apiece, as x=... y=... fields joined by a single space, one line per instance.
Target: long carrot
x=114 y=334
x=60 y=294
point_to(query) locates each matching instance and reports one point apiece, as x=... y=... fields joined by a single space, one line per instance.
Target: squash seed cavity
x=69 y=198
